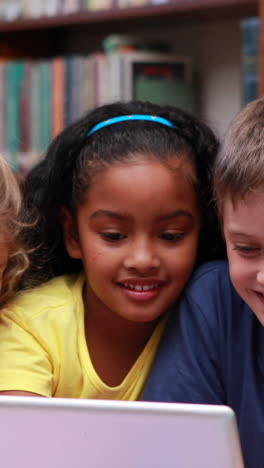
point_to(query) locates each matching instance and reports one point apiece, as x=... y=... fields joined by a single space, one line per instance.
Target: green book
x=34 y=107
x=45 y=104
x=13 y=80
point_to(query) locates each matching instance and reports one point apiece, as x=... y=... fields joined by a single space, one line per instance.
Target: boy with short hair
x=212 y=350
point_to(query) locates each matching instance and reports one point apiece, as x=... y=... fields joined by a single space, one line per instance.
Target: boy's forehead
x=236 y=199
x=244 y=213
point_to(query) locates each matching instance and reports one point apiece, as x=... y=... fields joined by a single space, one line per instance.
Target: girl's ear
x=71 y=237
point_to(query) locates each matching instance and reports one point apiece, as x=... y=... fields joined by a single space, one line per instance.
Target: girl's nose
x=142 y=258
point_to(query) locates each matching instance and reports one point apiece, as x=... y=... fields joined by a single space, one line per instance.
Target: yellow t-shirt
x=43 y=346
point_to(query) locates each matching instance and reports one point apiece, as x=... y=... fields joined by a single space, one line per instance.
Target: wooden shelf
x=176 y=10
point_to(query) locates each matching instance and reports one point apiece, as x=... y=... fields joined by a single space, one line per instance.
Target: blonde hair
x=11 y=229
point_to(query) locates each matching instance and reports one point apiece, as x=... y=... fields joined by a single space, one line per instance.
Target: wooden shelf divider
x=179 y=10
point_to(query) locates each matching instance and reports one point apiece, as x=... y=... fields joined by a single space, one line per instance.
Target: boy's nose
x=142 y=258
x=260 y=276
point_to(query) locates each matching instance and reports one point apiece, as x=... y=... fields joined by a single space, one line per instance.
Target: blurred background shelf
x=176 y=11
x=207 y=31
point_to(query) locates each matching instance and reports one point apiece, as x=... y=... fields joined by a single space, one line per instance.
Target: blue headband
x=124 y=118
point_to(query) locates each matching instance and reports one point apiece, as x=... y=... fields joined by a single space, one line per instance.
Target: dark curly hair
x=64 y=175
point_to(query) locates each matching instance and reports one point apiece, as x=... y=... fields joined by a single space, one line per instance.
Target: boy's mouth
x=260 y=295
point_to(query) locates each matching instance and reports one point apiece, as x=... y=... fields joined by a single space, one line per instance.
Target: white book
x=36 y=8
x=51 y=7
x=114 y=76
x=26 y=8
x=70 y=6
x=11 y=10
x=100 y=5
x=2 y=9
x=101 y=81
x=91 y=79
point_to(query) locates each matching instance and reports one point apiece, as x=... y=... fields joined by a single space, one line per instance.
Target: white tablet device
x=40 y=432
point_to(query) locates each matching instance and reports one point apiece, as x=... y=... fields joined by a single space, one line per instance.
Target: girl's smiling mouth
x=142 y=290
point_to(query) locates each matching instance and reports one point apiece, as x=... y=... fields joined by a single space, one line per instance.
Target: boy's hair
x=239 y=166
x=11 y=229
x=73 y=158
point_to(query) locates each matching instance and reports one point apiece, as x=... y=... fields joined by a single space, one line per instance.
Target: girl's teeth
x=140 y=288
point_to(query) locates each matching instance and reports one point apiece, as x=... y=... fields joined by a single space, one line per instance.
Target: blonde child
x=125 y=214
x=13 y=258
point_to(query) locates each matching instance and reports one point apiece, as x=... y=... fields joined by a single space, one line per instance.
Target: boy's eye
x=247 y=250
x=113 y=236
x=172 y=236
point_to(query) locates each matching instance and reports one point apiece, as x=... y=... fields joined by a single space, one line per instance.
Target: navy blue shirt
x=212 y=351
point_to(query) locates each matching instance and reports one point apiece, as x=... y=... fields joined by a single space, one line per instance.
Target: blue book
x=249 y=59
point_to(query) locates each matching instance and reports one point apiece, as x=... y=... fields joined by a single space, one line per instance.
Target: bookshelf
x=207 y=30
x=18 y=37
x=180 y=10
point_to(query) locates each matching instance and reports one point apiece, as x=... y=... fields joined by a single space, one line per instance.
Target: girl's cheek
x=96 y=256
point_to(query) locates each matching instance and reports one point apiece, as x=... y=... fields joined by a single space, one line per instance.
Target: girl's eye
x=247 y=250
x=113 y=236
x=172 y=236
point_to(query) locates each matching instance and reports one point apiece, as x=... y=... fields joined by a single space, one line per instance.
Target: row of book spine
x=12 y=10
x=38 y=98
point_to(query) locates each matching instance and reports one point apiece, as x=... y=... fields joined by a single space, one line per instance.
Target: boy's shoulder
x=52 y=295
x=211 y=292
x=218 y=268
x=212 y=275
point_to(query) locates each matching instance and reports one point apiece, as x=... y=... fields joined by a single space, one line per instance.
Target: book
x=51 y=7
x=11 y=10
x=45 y=104
x=75 y=86
x=36 y=8
x=70 y=6
x=13 y=79
x=2 y=106
x=249 y=59
x=115 y=86
x=70 y=91
x=40 y=97
x=34 y=107
x=100 y=5
x=57 y=95
x=91 y=98
x=160 y=78
x=24 y=111
x=100 y=79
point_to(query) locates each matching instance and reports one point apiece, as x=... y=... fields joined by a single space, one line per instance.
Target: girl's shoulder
x=52 y=295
